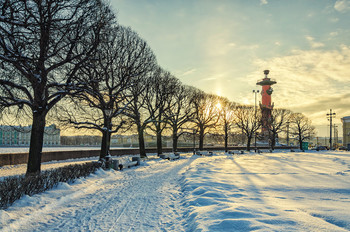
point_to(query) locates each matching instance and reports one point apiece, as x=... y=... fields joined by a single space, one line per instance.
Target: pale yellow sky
x=222 y=47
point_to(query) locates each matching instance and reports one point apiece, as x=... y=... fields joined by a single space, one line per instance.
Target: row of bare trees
x=71 y=61
x=43 y=45
x=218 y=115
x=281 y=121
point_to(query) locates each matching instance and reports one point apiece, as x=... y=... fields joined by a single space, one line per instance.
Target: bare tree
x=248 y=120
x=278 y=122
x=180 y=112
x=158 y=100
x=206 y=113
x=227 y=118
x=43 y=43
x=122 y=58
x=136 y=110
x=301 y=128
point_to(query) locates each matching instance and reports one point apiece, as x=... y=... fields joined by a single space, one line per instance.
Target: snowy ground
x=251 y=192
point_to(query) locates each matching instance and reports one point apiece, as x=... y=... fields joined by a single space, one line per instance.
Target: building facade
x=20 y=136
x=346 y=131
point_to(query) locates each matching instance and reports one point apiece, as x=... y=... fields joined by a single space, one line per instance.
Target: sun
x=218 y=105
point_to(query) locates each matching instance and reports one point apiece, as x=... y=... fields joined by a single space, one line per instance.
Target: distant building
x=124 y=140
x=20 y=136
x=133 y=140
x=346 y=131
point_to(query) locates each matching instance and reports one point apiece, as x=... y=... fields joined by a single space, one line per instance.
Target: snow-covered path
x=147 y=198
x=279 y=191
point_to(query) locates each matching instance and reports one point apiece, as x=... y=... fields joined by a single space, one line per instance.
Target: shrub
x=14 y=187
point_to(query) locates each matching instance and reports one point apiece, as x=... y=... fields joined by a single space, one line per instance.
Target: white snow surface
x=281 y=191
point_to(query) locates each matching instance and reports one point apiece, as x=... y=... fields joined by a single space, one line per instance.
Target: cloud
x=263 y=2
x=310 y=81
x=334 y=20
x=188 y=72
x=342 y=5
x=209 y=79
x=336 y=101
x=334 y=33
x=249 y=47
x=311 y=14
x=316 y=110
x=313 y=43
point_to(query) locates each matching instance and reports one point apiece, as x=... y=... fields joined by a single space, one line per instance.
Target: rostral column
x=266 y=105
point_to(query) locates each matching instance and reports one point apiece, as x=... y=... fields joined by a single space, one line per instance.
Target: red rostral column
x=266 y=106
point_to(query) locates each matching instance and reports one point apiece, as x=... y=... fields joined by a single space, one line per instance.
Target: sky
x=223 y=47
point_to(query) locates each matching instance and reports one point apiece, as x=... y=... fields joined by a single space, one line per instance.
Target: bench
x=204 y=153
x=135 y=161
x=170 y=156
x=231 y=152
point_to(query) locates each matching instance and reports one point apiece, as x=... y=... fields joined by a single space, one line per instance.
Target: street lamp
x=255 y=92
x=288 y=133
x=335 y=136
x=194 y=141
x=330 y=117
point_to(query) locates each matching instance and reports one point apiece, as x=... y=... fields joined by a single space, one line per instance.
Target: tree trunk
x=175 y=138
x=105 y=144
x=106 y=140
x=249 y=139
x=226 y=138
x=301 y=144
x=270 y=134
x=201 y=138
x=243 y=137
x=273 y=141
x=141 y=141
x=36 y=144
x=159 y=142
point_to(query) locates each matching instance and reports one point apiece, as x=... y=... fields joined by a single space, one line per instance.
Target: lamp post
x=330 y=117
x=255 y=92
x=288 y=133
x=194 y=141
